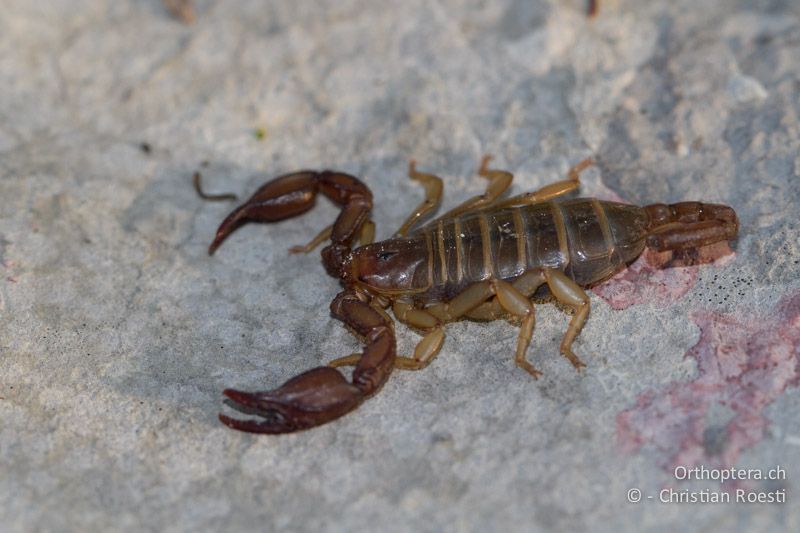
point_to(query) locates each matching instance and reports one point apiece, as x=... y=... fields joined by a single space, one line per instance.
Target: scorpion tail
x=293 y=194
x=689 y=225
x=323 y=393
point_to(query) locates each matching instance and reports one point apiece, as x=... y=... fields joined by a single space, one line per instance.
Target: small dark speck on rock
x=438 y=438
x=714 y=438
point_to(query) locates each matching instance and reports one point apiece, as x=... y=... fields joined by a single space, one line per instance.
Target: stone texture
x=118 y=332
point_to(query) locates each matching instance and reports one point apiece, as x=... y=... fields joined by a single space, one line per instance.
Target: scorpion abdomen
x=588 y=239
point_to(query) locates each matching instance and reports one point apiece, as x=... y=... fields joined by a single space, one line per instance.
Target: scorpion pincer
x=483 y=260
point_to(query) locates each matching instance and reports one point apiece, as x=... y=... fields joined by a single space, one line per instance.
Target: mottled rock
x=118 y=332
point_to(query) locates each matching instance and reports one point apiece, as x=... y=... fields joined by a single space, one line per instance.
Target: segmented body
x=483 y=260
x=588 y=239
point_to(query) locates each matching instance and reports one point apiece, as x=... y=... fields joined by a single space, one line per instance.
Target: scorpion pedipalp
x=293 y=194
x=322 y=394
x=307 y=400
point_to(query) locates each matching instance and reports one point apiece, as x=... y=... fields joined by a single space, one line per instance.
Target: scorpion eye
x=385 y=255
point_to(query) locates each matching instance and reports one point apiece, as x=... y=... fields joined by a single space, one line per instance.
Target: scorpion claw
x=310 y=399
x=250 y=426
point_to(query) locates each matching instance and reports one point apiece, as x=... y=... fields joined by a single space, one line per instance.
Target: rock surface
x=118 y=332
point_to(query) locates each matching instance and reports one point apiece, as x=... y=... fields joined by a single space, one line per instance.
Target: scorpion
x=488 y=258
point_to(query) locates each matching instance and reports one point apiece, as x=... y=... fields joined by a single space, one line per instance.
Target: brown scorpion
x=483 y=260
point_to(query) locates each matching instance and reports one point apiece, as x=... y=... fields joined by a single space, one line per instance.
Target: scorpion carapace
x=483 y=260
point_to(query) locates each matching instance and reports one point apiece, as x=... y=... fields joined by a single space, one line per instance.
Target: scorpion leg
x=367 y=233
x=323 y=393
x=554 y=190
x=427 y=348
x=347 y=360
x=366 y=237
x=425 y=352
x=470 y=298
x=432 y=318
x=499 y=182
x=511 y=298
x=321 y=237
x=518 y=305
x=430 y=345
x=492 y=310
x=570 y=294
x=433 y=196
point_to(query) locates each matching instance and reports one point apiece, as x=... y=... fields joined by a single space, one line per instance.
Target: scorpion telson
x=482 y=260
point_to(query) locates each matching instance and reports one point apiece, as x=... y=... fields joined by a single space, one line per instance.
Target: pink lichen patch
x=660 y=277
x=744 y=363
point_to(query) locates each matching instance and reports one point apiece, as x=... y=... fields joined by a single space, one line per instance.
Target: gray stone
x=118 y=332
